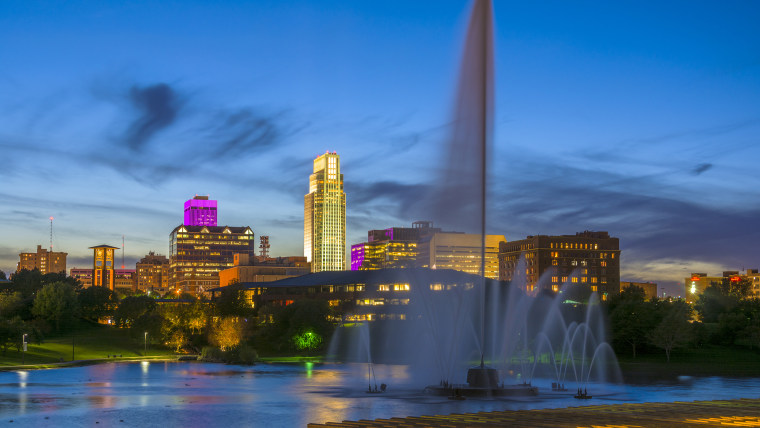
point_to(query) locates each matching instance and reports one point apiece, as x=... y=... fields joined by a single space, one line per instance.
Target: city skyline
x=643 y=127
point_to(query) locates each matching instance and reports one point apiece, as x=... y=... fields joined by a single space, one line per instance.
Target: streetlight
x=23 y=347
x=146 y=342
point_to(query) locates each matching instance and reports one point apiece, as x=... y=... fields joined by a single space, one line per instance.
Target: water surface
x=191 y=394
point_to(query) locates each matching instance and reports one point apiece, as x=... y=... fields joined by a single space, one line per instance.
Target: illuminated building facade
x=425 y=246
x=198 y=253
x=650 y=288
x=43 y=260
x=324 y=239
x=200 y=211
x=123 y=278
x=365 y=295
x=102 y=266
x=696 y=284
x=263 y=269
x=153 y=273
x=395 y=247
x=587 y=258
x=460 y=252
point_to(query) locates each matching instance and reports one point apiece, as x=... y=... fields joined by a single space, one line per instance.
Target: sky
x=638 y=118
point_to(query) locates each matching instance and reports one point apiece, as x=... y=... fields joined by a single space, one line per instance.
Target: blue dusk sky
x=639 y=118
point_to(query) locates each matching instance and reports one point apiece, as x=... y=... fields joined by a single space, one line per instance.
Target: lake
x=190 y=394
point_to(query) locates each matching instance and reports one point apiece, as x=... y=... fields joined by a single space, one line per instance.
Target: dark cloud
x=157 y=107
x=239 y=133
x=703 y=167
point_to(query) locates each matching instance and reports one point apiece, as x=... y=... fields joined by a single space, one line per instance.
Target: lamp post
x=146 y=342
x=23 y=348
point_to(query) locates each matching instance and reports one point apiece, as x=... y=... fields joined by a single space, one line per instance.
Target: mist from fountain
x=459 y=322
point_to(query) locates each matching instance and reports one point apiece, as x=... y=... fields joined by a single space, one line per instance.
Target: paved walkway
x=723 y=413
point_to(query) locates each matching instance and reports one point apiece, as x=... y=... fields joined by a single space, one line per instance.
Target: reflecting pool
x=190 y=394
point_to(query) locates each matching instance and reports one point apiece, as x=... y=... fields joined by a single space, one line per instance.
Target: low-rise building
x=650 y=288
x=124 y=279
x=696 y=284
x=263 y=269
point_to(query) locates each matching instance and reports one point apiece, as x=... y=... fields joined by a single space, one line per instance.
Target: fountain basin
x=465 y=390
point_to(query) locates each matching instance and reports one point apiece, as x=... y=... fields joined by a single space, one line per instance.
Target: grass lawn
x=707 y=361
x=91 y=341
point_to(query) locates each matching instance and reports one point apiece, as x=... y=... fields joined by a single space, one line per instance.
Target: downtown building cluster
x=204 y=256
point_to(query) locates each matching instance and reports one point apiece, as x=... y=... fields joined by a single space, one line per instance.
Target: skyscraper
x=200 y=211
x=324 y=223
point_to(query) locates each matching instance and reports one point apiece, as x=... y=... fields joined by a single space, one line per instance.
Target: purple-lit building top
x=200 y=211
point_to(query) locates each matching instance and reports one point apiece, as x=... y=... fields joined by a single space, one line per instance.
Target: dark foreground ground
x=743 y=412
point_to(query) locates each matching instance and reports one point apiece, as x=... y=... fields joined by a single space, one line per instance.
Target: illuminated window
x=575 y=279
x=564 y=279
x=555 y=279
x=555 y=262
x=384 y=287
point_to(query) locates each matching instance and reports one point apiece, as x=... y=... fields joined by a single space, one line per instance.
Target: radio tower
x=51 y=234
x=122 y=251
x=264 y=246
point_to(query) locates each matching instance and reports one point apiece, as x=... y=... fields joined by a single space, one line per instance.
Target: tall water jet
x=459 y=202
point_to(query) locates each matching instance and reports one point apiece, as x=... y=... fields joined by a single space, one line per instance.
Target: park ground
x=97 y=342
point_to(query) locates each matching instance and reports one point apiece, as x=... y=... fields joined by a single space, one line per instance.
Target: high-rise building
x=153 y=273
x=324 y=240
x=423 y=245
x=102 y=266
x=44 y=260
x=588 y=258
x=200 y=211
x=198 y=253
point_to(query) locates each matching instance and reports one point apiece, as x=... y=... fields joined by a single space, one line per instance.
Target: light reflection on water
x=196 y=394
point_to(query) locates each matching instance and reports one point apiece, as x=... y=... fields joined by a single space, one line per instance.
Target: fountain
x=456 y=324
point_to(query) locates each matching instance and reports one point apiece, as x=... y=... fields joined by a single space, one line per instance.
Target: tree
x=226 y=333
x=231 y=302
x=14 y=305
x=57 y=303
x=674 y=330
x=11 y=332
x=296 y=321
x=96 y=302
x=2 y=275
x=631 y=318
x=131 y=308
x=713 y=302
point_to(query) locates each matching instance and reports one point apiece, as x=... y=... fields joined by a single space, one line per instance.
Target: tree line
x=228 y=329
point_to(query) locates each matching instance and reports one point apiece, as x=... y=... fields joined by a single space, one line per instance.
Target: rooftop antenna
x=122 y=251
x=51 y=234
x=264 y=246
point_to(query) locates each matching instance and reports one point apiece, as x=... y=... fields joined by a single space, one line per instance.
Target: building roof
x=445 y=276
x=104 y=246
x=213 y=229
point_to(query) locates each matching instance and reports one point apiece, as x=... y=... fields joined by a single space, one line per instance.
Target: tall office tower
x=324 y=223
x=200 y=211
x=44 y=260
x=102 y=266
